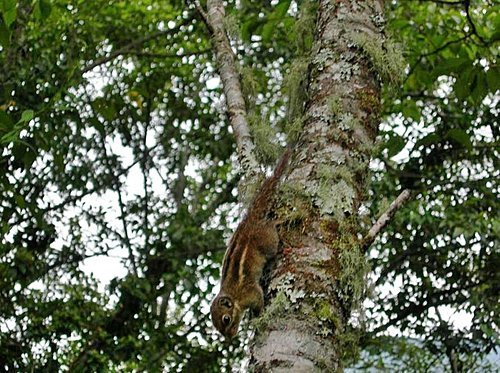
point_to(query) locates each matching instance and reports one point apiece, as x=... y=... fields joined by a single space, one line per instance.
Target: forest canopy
x=116 y=149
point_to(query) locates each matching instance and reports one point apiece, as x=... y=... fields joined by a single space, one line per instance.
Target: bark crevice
x=320 y=276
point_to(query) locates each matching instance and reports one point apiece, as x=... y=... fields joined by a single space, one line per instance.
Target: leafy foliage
x=442 y=143
x=114 y=146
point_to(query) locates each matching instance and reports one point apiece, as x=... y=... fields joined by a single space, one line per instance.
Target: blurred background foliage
x=116 y=154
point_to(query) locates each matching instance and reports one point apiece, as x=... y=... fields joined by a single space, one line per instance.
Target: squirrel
x=254 y=242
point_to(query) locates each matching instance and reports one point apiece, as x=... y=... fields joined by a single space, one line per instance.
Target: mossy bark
x=320 y=274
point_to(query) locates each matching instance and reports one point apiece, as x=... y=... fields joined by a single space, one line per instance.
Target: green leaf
x=44 y=8
x=493 y=78
x=29 y=158
x=487 y=330
x=450 y=66
x=427 y=140
x=10 y=136
x=281 y=9
x=97 y=124
x=395 y=145
x=248 y=28
x=20 y=201
x=4 y=35
x=462 y=84
x=18 y=150
x=460 y=136
x=26 y=116
x=6 y=123
x=105 y=108
x=479 y=88
x=411 y=110
x=9 y=11
x=59 y=162
x=268 y=31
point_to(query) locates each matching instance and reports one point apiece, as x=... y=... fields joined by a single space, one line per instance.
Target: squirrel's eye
x=226 y=320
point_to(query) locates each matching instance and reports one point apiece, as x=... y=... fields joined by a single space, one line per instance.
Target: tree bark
x=320 y=276
x=229 y=75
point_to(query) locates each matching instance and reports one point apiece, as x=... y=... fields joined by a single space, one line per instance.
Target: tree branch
x=121 y=204
x=77 y=198
x=435 y=51
x=429 y=300
x=203 y=15
x=180 y=183
x=226 y=60
x=385 y=218
x=145 y=172
x=471 y=22
x=133 y=44
x=164 y=55
x=444 y=2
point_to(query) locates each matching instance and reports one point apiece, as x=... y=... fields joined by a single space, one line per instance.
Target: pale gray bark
x=313 y=286
x=386 y=217
x=227 y=67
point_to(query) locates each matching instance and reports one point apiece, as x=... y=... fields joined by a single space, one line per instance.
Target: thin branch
x=385 y=218
x=414 y=249
x=436 y=51
x=223 y=196
x=165 y=55
x=226 y=60
x=144 y=164
x=122 y=50
x=473 y=31
x=444 y=2
x=432 y=363
x=135 y=43
x=203 y=15
x=117 y=186
x=130 y=304
x=471 y=22
x=121 y=204
x=424 y=96
x=160 y=175
x=77 y=198
x=431 y=300
x=180 y=184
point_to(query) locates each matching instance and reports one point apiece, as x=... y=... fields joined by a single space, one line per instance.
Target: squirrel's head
x=226 y=315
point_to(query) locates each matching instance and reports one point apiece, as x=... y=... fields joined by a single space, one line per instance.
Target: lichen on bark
x=322 y=267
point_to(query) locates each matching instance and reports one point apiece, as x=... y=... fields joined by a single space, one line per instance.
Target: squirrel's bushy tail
x=262 y=200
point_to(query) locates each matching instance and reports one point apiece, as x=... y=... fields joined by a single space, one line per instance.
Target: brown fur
x=254 y=242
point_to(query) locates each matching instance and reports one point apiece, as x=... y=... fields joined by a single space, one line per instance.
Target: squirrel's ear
x=225 y=302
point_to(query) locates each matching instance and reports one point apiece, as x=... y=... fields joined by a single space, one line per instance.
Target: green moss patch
x=385 y=56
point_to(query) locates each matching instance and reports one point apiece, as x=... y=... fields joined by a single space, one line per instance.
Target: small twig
x=436 y=51
x=74 y=199
x=121 y=204
x=164 y=55
x=129 y=47
x=145 y=172
x=444 y=2
x=203 y=15
x=424 y=96
x=116 y=185
x=180 y=184
x=471 y=22
x=385 y=218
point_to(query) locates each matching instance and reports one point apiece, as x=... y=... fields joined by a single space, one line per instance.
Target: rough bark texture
x=232 y=88
x=320 y=275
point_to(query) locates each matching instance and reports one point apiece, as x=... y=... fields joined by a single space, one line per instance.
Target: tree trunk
x=320 y=276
